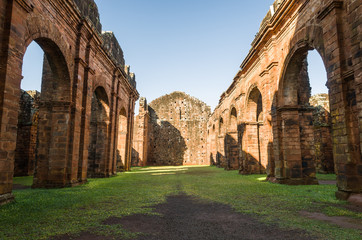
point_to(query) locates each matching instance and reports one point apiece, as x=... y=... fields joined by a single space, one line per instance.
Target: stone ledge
x=6 y=198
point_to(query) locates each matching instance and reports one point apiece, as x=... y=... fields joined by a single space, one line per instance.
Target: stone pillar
x=232 y=151
x=140 y=138
x=10 y=78
x=27 y=134
x=111 y=134
x=52 y=154
x=296 y=146
x=130 y=134
x=346 y=127
x=251 y=148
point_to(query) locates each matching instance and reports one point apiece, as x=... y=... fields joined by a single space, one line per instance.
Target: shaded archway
x=122 y=140
x=212 y=147
x=295 y=114
x=98 y=133
x=43 y=132
x=232 y=153
x=253 y=161
x=27 y=128
x=319 y=100
x=220 y=155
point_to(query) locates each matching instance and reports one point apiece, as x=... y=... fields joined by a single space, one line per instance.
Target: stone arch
x=38 y=28
x=233 y=119
x=254 y=105
x=54 y=110
x=306 y=39
x=231 y=141
x=122 y=139
x=221 y=126
x=253 y=160
x=220 y=141
x=294 y=113
x=98 y=131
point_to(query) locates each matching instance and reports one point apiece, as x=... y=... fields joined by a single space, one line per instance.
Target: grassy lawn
x=41 y=213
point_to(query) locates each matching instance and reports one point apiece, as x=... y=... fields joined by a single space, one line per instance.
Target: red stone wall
x=141 y=135
x=286 y=140
x=176 y=131
x=27 y=134
x=323 y=145
x=78 y=60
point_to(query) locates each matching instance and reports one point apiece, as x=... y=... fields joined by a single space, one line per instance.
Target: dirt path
x=186 y=217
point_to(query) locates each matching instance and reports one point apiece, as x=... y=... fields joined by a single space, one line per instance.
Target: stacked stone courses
x=86 y=88
x=171 y=131
x=267 y=121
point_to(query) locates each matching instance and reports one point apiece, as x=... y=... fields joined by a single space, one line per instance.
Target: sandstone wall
x=176 y=131
x=89 y=9
x=141 y=135
x=282 y=140
x=78 y=62
x=27 y=133
x=323 y=146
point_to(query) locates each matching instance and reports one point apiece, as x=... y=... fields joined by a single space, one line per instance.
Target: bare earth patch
x=327 y=182
x=186 y=217
x=344 y=222
x=20 y=187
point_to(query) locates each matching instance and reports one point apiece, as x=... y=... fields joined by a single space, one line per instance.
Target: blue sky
x=195 y=46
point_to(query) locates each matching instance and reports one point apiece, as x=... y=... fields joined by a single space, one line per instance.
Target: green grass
x=40 y=213
x=329 y=177
x=26 y=181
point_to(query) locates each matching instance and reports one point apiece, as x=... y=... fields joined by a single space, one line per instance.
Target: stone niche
x=175 y=133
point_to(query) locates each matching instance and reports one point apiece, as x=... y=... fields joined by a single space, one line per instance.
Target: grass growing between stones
x=42 y=213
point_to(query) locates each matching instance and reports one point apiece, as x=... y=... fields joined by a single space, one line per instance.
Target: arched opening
x=256 y=159
x=232 y=141
x=27 y=131
x=305 y=121
x=220 y=155
x=98 y=164
x=212 y=147
x=322 y=121
x=41 y=146
x=122 y=140
x=221 y=126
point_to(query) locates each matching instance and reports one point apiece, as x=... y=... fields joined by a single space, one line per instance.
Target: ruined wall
x=78 y=61
x=290 y=140
x=141 y=132
x=27 y=133
x=176 y=131
x=89 y=9
x=323 y=146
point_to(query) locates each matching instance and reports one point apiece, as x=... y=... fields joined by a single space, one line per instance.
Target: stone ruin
x=323 y=145
x=27 y=134
x=171 y=131
x=81 y=124
x=266 y=121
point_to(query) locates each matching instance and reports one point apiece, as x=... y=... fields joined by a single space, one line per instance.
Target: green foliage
x=42 y=213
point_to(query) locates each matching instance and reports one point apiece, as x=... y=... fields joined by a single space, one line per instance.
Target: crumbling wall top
x=89 y=9
x=110 y=43
x=270 y=14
